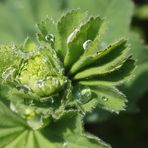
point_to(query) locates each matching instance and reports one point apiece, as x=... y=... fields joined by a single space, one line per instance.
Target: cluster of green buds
x=66 y=70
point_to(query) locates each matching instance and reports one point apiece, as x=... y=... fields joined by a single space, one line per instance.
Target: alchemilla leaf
x=52 y=82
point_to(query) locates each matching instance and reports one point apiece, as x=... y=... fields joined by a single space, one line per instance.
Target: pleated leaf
x=85 y=35
x=15 y=133
x=112 y=51
x=109 y=98
x=65 y=27
x=104 y=69
x=115 y=78
x=9 y=59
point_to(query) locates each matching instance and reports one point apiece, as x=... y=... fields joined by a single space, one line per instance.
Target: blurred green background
x=124 y=18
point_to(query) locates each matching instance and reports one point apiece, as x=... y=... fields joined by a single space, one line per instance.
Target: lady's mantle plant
x=52 y=83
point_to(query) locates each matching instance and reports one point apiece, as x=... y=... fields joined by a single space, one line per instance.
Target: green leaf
x=71 y=134
x=109 y=53
x=106 y=68
x=16 y=133
x=11 y=126
x=118 y=23
x=115 y=78
x=131 y=88
x=25 y=14
x=29 y=45
x=10 y=60
x=47 y=30
x=87 y=33
x=109 y=98
x=66 y=26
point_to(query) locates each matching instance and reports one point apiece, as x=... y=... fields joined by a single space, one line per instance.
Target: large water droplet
x=72 y=35
x=40 y=83
x=86 y=44
x=9 y=71
x=50 y=38
x=86 y=94
x=83 y=95
x=13 y=107
x=105 y=98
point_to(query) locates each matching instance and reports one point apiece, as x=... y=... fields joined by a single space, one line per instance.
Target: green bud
x=39 y=76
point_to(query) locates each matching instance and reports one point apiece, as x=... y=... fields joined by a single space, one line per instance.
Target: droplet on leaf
x=50 y=38
x=105 y=98
x=86 y=44
x=72 y=35
x=52 y=100
x=12 y=107
x=84 y=95
x=9 y=71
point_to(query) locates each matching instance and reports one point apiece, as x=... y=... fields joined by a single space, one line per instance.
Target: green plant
x=51 y=83
x=24 y=14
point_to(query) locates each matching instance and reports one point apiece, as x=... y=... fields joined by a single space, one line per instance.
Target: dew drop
x=40 y=83
x=105 y=98
x=52 y=100
x=86 y=44
x=72 y=35
x=65 y=144
x=50 y=38
x=86 y=95
x=9 y=71
x=13 y=107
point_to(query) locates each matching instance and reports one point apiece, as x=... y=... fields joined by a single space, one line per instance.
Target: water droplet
x=40 y=83
x=65 y=144
x=9 y=71
x=13 y=107
x=83 y=95
x=105 y=98
x=72 y=35
x=52 y=100
x=86 y=44
x=86 y=95
x=50 y=38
